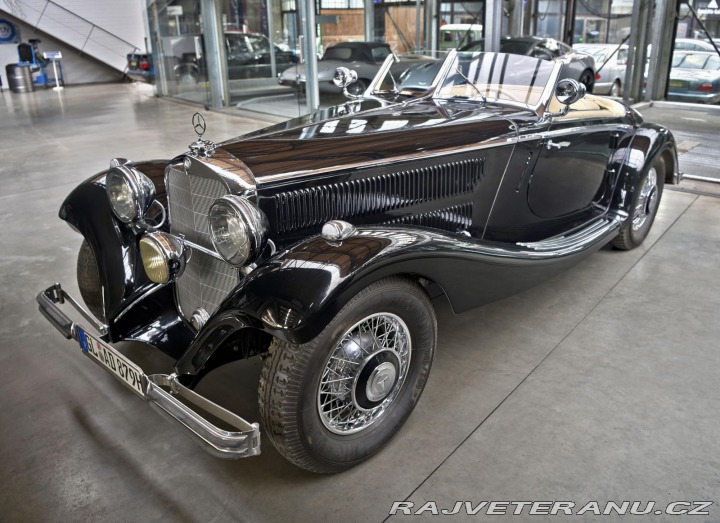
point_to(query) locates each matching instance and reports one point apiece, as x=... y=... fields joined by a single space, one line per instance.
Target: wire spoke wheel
x=364 y=373
x=644 y=207
x=647 y=200
x=337 y=399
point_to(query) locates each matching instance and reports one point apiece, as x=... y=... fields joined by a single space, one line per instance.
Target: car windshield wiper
x=459 y=71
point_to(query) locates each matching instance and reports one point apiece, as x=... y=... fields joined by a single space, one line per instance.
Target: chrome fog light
x=163 y=256
x=130 y=192
x=238 y=229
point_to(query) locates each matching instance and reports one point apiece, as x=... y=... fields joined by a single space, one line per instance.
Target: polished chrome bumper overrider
x=162 y=391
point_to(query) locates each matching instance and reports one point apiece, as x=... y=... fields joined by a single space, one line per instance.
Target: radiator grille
x=206 y=280
x=314 y=206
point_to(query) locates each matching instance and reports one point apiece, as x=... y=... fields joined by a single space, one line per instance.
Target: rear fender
x=649 y=143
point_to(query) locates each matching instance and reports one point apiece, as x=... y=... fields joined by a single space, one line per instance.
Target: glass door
x=178 y=49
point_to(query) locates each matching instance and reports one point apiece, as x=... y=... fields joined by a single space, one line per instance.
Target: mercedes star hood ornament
x=200 y=147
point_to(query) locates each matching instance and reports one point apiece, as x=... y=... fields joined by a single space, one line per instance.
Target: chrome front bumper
x=162 y=391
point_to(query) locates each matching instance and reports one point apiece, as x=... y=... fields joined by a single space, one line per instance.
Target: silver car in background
x=610 y=62
x=365 y=58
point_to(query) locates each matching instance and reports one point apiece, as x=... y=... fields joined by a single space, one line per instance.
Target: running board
x=581 y=239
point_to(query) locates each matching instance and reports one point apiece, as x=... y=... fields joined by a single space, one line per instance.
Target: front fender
x=87 y=209
x=295 y=294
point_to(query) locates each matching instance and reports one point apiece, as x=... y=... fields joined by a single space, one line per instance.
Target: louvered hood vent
x=313 y=206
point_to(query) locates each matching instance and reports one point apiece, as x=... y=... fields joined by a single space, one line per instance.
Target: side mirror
x=343 y=78
x=569 y=91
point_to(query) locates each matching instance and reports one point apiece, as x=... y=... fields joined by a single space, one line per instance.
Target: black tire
x=358 y=87
x=297 y=398
x=643 y=210
x=88 y=277
x=587 y=78
x=615 y=89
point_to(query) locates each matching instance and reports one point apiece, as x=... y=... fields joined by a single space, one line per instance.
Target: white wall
x=123 y=18
x=105 y=29
x=76 y=69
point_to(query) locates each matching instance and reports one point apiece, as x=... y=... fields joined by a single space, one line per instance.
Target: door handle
x=557 y=145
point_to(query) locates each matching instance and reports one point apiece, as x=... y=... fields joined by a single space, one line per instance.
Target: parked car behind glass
x=248 y=56
x=695 y=77
x=365 y=58
x=693 y=44
x=581 y=69
x=610 y=63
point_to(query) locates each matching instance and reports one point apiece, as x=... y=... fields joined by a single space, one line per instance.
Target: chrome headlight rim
x=171 y=252
x=252 y=219
x=141 y=188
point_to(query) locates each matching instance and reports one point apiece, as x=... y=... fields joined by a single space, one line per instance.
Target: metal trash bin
x=19 y=78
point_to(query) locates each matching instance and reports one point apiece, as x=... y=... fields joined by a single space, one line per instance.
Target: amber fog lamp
x=130 y=192
x=238 y=229
x=163 y=257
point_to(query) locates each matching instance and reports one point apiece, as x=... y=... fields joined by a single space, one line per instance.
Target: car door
x=573 y=173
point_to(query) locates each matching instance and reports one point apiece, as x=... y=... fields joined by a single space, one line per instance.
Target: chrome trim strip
x=374 y=163
x=574 y=130
x=204 y=250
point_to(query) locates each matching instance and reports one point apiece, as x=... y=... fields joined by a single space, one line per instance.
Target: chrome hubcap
x=382 y=379
x=364 y=373
x=647 y=200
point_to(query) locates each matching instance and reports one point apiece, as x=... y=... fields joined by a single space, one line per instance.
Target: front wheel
x=646 y=200
x=335 y=401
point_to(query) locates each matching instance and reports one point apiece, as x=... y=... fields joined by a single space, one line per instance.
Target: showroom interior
x=591 y=393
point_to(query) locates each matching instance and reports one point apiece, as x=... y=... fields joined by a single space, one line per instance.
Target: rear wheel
x=88 y=277
x=615 y=89
x=644 y=208
x=333 y=402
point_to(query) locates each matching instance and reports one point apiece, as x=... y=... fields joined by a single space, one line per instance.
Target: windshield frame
x=433 y=91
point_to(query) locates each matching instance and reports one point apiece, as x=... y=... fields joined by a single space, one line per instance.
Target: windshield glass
x=497 y=76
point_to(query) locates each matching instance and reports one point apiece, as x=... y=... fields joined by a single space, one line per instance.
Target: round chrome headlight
x=238 y=229
x=163 y=256
x=130 y=192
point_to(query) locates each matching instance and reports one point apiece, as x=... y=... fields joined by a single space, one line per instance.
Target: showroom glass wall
x=233 y=50
x=260 y=39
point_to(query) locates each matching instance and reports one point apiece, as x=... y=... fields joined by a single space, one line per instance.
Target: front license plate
x=112 y=360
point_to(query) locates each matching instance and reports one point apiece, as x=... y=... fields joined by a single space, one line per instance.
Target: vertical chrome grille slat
x=206 y=280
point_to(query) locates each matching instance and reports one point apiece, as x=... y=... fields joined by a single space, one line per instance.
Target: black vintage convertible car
x=318 y=244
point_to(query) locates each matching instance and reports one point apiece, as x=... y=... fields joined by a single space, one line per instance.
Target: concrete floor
x=599 y=385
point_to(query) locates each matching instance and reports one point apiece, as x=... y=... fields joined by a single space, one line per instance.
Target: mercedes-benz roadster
x=319 y=244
